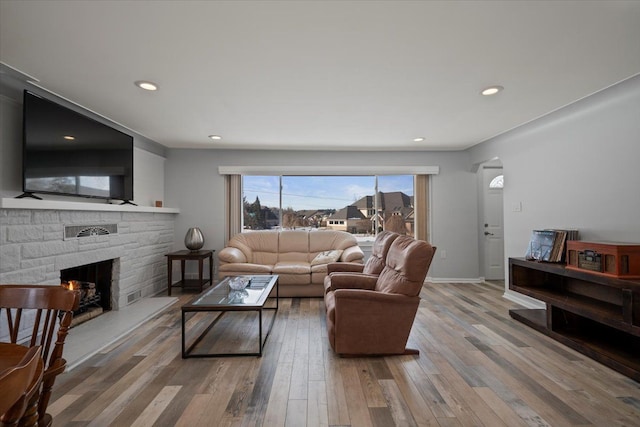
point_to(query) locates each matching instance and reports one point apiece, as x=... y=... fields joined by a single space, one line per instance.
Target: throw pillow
x=326 y=257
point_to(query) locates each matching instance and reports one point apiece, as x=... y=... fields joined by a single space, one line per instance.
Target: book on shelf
x=549 y=244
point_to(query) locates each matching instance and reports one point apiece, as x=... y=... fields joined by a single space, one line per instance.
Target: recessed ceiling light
x=419 y=139
x=491 y=90
x=143 y=84
x=69 y=137
x=215 y=137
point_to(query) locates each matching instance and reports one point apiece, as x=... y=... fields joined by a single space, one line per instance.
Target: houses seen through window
x=361 y=205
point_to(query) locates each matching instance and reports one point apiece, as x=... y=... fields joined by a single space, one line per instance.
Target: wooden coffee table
x=221 y=299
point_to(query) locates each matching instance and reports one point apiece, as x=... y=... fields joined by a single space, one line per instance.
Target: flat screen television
x=65 y=152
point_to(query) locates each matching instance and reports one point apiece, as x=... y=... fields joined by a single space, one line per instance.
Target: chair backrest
x=406 y=266
x=16 y=383
x=381 y=245
x=49 y=307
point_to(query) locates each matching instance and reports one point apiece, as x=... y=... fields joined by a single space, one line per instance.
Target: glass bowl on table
x=238 y=283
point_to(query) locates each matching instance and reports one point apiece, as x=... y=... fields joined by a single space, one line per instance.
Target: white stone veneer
x=33 y=251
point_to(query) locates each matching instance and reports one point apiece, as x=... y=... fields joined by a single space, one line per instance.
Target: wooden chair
x=18 y=385
x=52 y=308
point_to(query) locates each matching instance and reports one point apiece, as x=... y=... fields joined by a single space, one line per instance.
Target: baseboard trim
x=454 y=280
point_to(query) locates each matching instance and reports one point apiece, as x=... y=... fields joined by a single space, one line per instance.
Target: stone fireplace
x=40 y=239
x=36 y=245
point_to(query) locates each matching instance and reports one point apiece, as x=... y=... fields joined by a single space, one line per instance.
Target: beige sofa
x=298 y=257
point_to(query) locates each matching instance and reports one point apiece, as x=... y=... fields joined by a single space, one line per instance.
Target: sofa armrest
x=352 y=254
x=231 y=255
x=344 y=267
x=357 y=281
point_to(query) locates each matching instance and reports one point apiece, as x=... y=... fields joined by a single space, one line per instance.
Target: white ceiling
x=359 y=75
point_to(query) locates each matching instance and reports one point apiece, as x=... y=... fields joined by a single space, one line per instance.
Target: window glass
x=261 y=202
x=497 y=182
x=396 y=204
x=325 y=201
x=346 y=203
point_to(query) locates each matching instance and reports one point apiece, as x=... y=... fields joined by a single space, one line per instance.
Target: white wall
x=577 y=167
x=10 y=146
x=148 y=177
x=192 y=183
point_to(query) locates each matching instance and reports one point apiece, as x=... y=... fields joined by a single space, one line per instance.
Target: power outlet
x=443 y=254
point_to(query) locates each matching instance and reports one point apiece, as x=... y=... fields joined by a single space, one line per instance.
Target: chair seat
x=20 y=382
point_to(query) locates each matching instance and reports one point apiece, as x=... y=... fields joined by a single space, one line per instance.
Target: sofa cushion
x=292 y=267
x=324 y=240
x=293 y=245
x=326 y=257
x=352 y=254
x=260 y=247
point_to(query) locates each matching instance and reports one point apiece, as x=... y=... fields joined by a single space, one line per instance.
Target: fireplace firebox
x=93 y=281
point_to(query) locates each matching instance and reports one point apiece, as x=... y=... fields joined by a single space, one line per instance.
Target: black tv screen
x=65 y=152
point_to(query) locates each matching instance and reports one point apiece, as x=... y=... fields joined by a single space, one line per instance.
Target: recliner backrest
x=406 y=266
x=381 y=245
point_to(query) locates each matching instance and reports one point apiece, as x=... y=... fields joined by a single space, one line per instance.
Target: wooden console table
x=184 y=256
x=595 y=315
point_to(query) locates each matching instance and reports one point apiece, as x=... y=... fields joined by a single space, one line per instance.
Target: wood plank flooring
x=477 y=367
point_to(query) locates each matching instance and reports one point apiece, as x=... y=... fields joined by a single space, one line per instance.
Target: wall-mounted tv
x=65 y=152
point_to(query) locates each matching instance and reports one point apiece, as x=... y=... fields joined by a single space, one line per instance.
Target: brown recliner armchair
x=374 y=264
x=370 y=314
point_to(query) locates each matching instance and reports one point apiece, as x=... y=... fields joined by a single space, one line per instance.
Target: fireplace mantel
x=61 y=205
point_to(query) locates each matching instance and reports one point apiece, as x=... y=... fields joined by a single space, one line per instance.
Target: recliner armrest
x=352 y=281
x=344 y=267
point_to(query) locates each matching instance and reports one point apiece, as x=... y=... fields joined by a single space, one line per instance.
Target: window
x=361 y=205
x=497 y=182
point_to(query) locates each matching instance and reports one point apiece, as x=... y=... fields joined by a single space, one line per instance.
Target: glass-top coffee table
x=222 y=299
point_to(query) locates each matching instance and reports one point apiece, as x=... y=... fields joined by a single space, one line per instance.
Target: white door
x=493 y=230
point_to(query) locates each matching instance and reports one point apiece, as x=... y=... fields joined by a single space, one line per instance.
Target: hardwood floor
x=476 y=367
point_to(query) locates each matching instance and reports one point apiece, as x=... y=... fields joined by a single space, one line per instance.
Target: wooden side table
x=184 y=256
